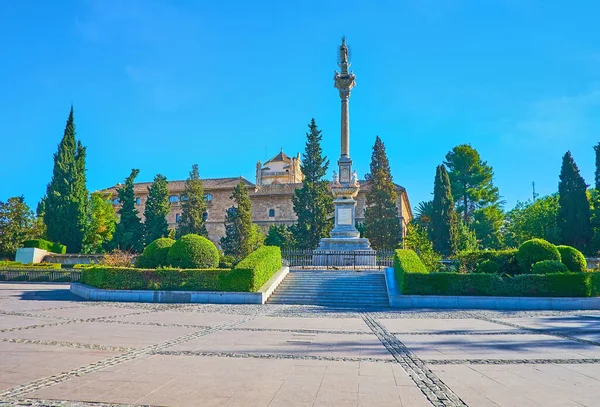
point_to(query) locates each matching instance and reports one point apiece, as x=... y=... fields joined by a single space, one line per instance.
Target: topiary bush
x=155 y=254
x=488 y=267
x=573 y=259
x=193 y=251
x=549 y=267
x=536 y=250
x=506 y=260
x=46 y=245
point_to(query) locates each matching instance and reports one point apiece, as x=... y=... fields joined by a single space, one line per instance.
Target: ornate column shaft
x=345 y=135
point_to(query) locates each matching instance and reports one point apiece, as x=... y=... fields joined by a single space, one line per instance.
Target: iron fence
x=40 y=276
x=359 y=259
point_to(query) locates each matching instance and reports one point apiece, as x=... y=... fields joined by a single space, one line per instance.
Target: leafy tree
x=242 y=237
x=280 y=235
x=573 y=206
x=193 y=206
x=487 y=224
x=17 y=224
x=102 y=222
x=423 y=213
x=471 y=180
x=313 y=203
x=443 y=228
x=157 y=209
x=530 y=220
x=416 y=239
x=129 y=233
x=597 y=172
x=466 y=238
x=66 y=202
x=595 y=202
x=382 y=223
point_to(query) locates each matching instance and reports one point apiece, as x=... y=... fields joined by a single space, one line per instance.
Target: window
x=183 y=198
x=205 y=216
x=208 y=197
x=138 y=200
x=177 y=217
x=116 y=201
x=173 y=199
x=271 y=213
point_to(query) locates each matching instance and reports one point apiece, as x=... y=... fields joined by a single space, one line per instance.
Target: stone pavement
x=58 y=351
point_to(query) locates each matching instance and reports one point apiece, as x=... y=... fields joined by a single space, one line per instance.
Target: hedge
x=488 y=267
x=15 y=265
x=193 y=252
x=249 y=275
x=155 y=254
x=549 y=267
x=526 y=285
x=407 y=261
x=535 y=250
x=46 y=245
x=506 y=260
x=573 y=259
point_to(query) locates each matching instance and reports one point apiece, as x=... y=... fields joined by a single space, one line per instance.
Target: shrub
x=226 y=261
x=488 y=267
x=549 y=267
x=536 y=250
x=506 y=260
x=406 y=261
x=573 y=259
x=155 y=254
x=117 y=258
x=193 y=251
x=46 y=245
x=261 y=264
x=15 y=265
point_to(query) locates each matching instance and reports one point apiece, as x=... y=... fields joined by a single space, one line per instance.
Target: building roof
x=179 y=185
x=280 y=157
x=286 y=189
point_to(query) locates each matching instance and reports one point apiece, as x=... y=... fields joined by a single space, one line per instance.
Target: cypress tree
x=382 y=223
x=443 y=227
x=241 y=236
x=313 y=203
x=193 y=206
x=595 y=201
x=574 y=208
x=157 y=210
x=66 y=202
x=129 y=233
x=597 y=172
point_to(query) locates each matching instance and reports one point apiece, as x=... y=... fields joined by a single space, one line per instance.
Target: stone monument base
x=344 y=252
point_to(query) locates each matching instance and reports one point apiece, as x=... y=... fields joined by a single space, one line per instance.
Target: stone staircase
x=332 y=288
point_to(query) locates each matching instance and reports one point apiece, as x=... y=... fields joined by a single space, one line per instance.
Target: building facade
x=271 y=197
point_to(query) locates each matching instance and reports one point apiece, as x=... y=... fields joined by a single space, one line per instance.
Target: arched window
x=208 y=197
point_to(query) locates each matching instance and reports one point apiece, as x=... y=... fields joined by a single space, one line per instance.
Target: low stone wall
x=199 y=297
x=397 y=300
x=72 y=259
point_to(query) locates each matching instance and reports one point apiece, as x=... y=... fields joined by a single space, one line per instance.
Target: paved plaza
x=58 y=351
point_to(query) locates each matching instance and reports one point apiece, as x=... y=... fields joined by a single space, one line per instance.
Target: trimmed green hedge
x=249 y=275
x=549 y=267
x=193 y=252
x=155 y=254
x=46 y=245
x=573 y=259
x=407 y=261
x=526 y=285
x=535 y=250
x=506 y=260
x=15 y=265
x=488 y=267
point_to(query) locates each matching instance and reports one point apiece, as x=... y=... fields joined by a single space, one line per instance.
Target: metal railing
x=317 y=259
x=40 y=276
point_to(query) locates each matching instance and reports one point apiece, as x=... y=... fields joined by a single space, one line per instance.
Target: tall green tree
x=443 y=229
x=193 y=206
x=471 y=179
x=101 y=223
x=17 y=224
x=281 y=236
x=466 y=240
x=313 y=203
x=488 y=223
x=595 y=202
x=530 y=220
x=574 y=208
x=382 y=223
x=157 y=210
x=242 y=237
x=423 y=214
x=417 y=239
x=66 y=202
x=129 y=233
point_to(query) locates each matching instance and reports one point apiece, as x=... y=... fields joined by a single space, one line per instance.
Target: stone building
x=271 y=197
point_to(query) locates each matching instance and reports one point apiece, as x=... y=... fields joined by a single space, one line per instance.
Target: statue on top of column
x=343 y=52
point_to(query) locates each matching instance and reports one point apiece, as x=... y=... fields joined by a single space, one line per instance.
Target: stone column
x=345 y=135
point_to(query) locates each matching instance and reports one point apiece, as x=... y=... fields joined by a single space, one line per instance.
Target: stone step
x=381 y=304
x=334 y=286
x=331 y=292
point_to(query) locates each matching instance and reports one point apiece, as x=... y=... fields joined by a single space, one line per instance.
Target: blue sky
x=161 y=85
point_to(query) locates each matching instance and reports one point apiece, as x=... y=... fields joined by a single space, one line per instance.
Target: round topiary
x=193 y=251
x=535 y=250
x=488 y=267
x=549 y=266
x=573 y=259
x=155 y=254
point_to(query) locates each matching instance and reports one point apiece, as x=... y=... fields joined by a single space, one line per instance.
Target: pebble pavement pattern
x=56 y=350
